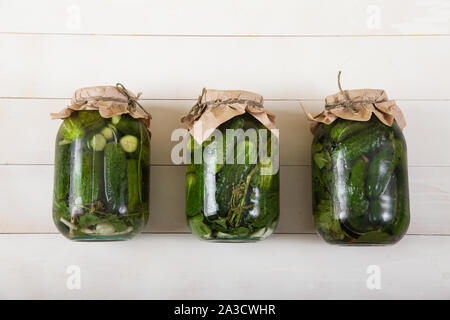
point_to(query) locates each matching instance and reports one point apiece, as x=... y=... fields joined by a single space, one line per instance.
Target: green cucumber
x=268 y=182
x=115 y=177
x=380 y=170
x=108 y=132
x=344 y=129
x=97 y=177
x=115 y=119
x=128 y=125
x=62 y=172
x=401 y=222
x=86 y=170
x=357 y=218
x=70 y=130
x=228 y=143
x=269 y=178
x=144 y=155
x=91 y=120
x=383 y=210
x=339 y=176
x=134 y=185
x=129 y=143
x=194 y=190
x=98 y=142
x=362 y=143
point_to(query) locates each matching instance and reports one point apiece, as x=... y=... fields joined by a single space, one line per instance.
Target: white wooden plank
x=199 y=17
x=36 y=132
x=181 y=267
x=26 y=193
x=178 y=67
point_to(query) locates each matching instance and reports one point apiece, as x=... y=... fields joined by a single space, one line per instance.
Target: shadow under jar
x=360 y=182
x=101 y=181
x=232 y=195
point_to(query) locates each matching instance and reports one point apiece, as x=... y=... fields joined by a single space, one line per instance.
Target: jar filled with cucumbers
x=101 y=180
x=232 y=182
x=360 y=170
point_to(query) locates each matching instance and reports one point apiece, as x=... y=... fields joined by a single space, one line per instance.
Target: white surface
x=178 y=67
x=233 y=17
x=182 y=267
x=286 y=50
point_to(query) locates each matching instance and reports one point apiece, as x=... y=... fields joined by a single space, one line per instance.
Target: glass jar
x=101 y=181
x=360 y=182
x=232 y=193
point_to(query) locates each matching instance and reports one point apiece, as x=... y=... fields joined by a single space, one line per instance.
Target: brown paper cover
x=358 y=105
x=108 y=100
x=215 y=107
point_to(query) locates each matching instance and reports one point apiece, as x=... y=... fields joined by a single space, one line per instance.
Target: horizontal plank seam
x=379 y=35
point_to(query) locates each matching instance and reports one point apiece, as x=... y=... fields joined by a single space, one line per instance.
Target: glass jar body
x=360 y=182
x=102 y=177
x=232 y=182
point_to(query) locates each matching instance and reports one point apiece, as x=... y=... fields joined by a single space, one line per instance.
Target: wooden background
x=290 y=52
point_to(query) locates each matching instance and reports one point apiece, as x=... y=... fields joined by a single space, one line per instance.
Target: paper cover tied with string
x=108 y=100
x=359 y=169
x=358 y=105
x=215 y=107
x=102 y=166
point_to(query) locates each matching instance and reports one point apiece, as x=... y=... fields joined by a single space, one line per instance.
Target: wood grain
x=178 y=67
x=248 y=18
x=182 y=267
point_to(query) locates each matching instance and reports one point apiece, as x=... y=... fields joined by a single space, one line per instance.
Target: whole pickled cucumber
x=268 y=174
x=338 y=181
x=194 y=189
x=98 y=177
x=127 y=125
x=86 y=169
x=91 y=120
x=62 y=172
x=228 y=142
x=401 y=223
x=268 y=182
x=344 y=129
x=383 y=210
x=362 y=143
x=357 y=219
x=380 y=170
x=133 y=185
x=116 y=181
